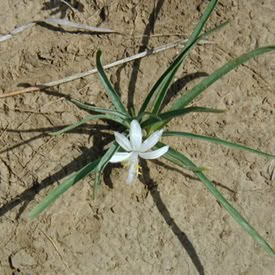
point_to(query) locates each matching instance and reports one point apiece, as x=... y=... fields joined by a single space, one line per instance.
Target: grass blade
x=171 y=158
x=219 y=141
x=228 y=207
x=175 y=113
x=102 y=164
x=160 y=88
x=163 y=89
x=198 y=89
x=108 y=86
x=63 y=187
x=87 y=119
x=89 y=107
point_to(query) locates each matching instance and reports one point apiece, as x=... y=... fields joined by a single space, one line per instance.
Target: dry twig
x=94 y=70
x=57 y=250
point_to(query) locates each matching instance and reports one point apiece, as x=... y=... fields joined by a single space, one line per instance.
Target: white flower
x=136 y=148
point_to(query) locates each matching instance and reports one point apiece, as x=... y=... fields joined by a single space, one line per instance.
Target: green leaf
x=179 y=163
x=175 y=113
x=199 y=88
x=98 y=109
x=102 y=164
x=159 y=90
x=108 y=86
x=87 y=119
x=58 y=191
x=219 y=141
x=215 y=192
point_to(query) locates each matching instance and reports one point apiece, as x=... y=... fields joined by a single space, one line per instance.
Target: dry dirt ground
x=167 y=222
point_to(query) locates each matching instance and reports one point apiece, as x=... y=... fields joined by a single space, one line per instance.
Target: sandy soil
x=167 y=222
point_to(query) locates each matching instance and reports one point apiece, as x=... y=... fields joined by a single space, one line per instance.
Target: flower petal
x=119 y=157
x=151 y=141
x=135 y=135
x=133 y=169
x=154 y=154
x=131 y=173
x=122 y=141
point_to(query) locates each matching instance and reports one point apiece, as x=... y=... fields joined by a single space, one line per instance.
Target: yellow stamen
x=138 y=170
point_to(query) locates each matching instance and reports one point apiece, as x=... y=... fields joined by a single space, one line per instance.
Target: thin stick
x=94 y=70
x=56 y=249
x=55 y=21
x=19 y=92
x=156 y=35
x=91 y=71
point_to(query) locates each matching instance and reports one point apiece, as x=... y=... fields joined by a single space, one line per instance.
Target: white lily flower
x=135 y=148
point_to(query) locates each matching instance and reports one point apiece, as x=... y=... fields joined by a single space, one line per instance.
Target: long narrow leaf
x=160 y=88
x=166 y=82
x=102 y=164
x=58 y=191
x=98 y=109
x=219 y=141
x=199 y=88
x=229 y=208
x=163 y=88
x=108 y=86
x=175 y=113
x=87 y=119
x=179 y=163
